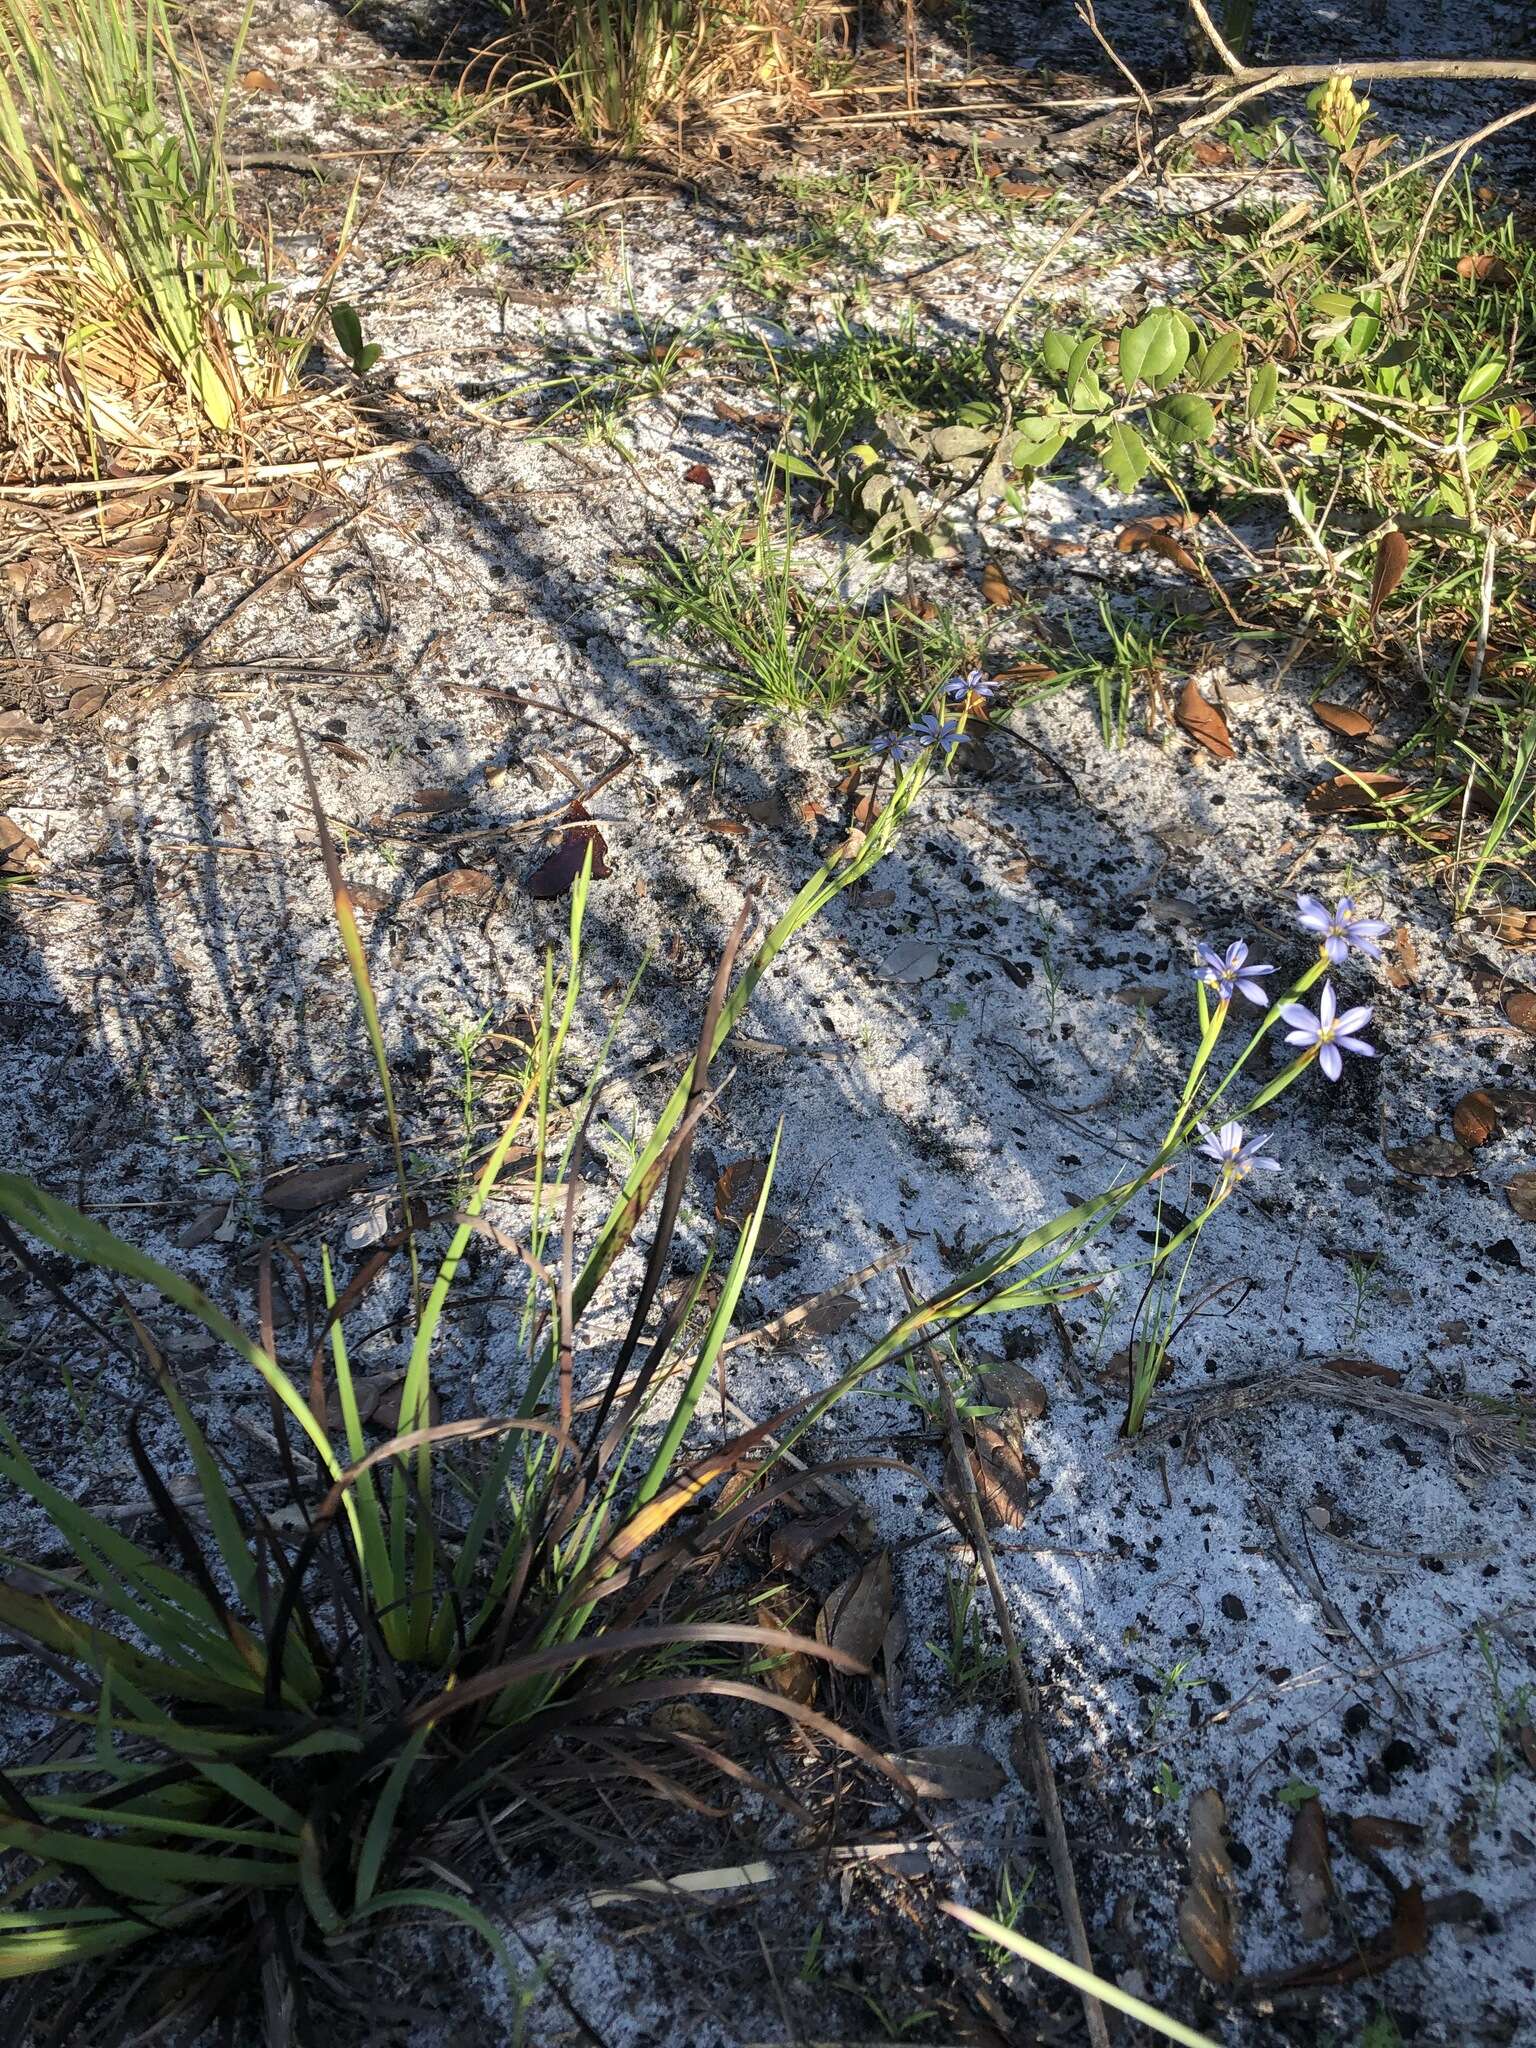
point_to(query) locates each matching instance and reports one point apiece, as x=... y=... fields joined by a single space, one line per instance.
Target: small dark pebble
x=1233 y=1608
x=1357 y=1719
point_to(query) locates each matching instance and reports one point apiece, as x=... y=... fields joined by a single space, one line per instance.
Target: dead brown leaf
x=1431 y=1158
x=738 y=1188
x=1004 y=1472
x=1208 y=1908
x=1364 y=1369
x=857 y=1613
x=1213 y=154
x=1344 y=793
x=1392 y=553
x=557 y=872
x=1515 y=1106
x=1203 y=722
x=296 y=1188
x=1308 y=1872
x=1521 y=1196
x=996 y=588
x=794 y=1544
x=1519 y=1006
x=1024 y=188
x=1475 y=1118
x=1372 y=1831
x=1140 y=994
x=1342 y=719
x=257 y=81
x=457 y=885
x=1487 y=269
x=700 y=475
x=952 y=1770
x=1012 y=1389
x=1406 y=1935
x=1509 y=927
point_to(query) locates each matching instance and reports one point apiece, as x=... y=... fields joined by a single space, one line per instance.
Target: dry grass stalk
x=138 y=328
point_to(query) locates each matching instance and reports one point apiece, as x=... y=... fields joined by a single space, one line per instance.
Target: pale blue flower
x=1329 y=1032
x=1341 y=928
x=932 y=731
x=1232 y=972
x=1236 y=1156
x=973 y=684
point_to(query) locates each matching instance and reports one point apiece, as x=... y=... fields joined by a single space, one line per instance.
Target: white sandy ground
x=1336 y=1582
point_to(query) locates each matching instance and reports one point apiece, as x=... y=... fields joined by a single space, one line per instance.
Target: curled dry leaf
x=297 y=1188
x=1208 y=1908
x=456 y=885
x=1344 y=793
x=1407 y=1934
x=699 y=474
x=1004 y=1472
x=1373 y=1831
x=17 y=848
x=1342 y=719
x=952 y=1770
x=1521 y=1196
x=1014 y=1390
x=996 y=588
x=793 y=1675
x=1475 y=1118
x=1512 y=927
x=1308 y=1872
x=1486 y=269
x=1519 y=1006
x=1392 y=555
x=857 y=1613
x=794 y=1544
x=1203 y=722
x=738 y=1188
x=557 y=872
x=1431 y=1158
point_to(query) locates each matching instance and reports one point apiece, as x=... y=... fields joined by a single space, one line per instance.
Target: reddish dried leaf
x=952 y=1770
x=297 y=1188
x=1431 y=1158
x=1208 y=1907
x=857 y=1613
x=1308 y=1872
x=1204 y=723
x=1364 y=1369
x=555 y=874
x=738 y=1188
x=1407 y=1935
x=1486 y=269
x=1519 y=1006
x=1371 y=1831
x=456 y=885
x=794 y=1544
x=1024 y=188
x=1342 y=719
x=1475 y=1118
x=1214 y=155
x=699 y=473
x=1512 y=927
x=1004 y=1473
x=1345 y=793
x=1140 y=533
x=257 y=81
x=1392 y=552
x=996 y=588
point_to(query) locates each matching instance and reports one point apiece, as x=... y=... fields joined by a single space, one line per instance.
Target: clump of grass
x=286 y=1711
x=773 y=643
x=136 y=326
x=615 y=67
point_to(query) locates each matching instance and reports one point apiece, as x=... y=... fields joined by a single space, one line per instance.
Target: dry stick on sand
x=1036 y=1749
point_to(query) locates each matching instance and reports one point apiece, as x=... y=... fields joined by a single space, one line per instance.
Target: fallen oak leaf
x=952 y=1770
x=1485 y=268
x=1431 y=1158
x=555 y=875
x=996 y=588
x=1208 y=1907
x=1205 y=725
x=1519 y=1006
x=1354 y=792
x=455 y=885
x=855 y=1615
x=1407 y=1934
x=1308 y=1872
x=1342 y=719
x=1392 y=554
x=1475 y=1118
